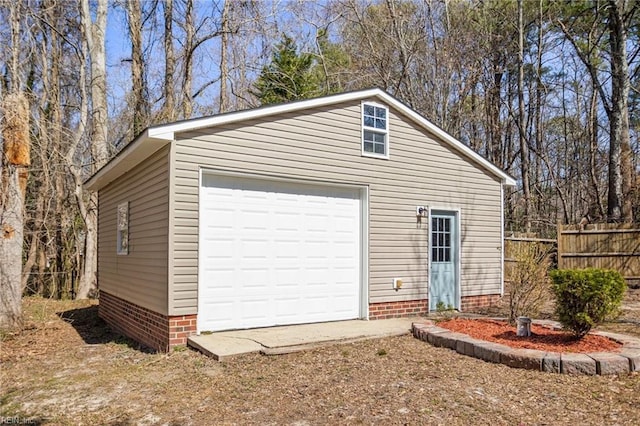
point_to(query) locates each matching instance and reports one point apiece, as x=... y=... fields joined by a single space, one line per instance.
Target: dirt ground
x=67 y=368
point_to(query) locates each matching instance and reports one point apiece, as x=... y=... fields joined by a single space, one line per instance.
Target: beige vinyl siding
x=324 y=145
x=140 y=276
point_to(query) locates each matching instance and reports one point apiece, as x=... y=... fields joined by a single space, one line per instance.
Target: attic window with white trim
x=122 y=239
x=375 y=130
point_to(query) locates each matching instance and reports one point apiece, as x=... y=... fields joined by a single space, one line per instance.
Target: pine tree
x=288 y=77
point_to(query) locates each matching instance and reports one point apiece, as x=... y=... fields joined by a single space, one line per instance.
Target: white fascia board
x=168 y=131
x=137 y=151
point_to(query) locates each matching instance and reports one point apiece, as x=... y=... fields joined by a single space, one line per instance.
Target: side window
x=122 y=240
x=375 y=130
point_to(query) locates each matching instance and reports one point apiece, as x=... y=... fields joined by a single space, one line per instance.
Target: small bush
x=441 y=307
x=586 y=297
x=528 y=284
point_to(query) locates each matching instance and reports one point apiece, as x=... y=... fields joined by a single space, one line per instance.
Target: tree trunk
x=138 y=81
x=169 y=113
x=539 y=145
x=620 y=170
x=494 y=151
x=89 y=279
x=13 y=184
x=12 y=212
x=224 y=66
x=524 y=146
x=187 y=82
x=95 y=38
x=592 y=131
x=14 y=164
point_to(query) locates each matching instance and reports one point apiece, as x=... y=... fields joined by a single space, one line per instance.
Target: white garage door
x=275 y=253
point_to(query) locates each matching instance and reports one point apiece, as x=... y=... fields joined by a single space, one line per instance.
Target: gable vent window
x=375 y=130
x=122 y=240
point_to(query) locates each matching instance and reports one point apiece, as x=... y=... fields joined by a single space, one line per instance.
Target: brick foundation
x=407 y=308
x=162 y=332
x=469 y=303
x=157 y=331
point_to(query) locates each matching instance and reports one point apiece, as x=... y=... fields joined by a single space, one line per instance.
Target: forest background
x=548 y=91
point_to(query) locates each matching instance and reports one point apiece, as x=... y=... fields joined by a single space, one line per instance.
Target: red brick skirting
x=162 y=332
x=469 y=303
x=407 y=308
x=421 y=307
x=152 y=329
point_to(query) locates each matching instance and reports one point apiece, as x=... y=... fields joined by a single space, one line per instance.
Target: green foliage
x=441 y=307
x=289 y=77
x=528 y=283
x=586 y=297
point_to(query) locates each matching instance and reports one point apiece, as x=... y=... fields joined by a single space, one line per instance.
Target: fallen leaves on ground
x=71 y=370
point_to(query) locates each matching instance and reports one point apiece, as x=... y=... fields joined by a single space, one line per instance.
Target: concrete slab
x=220 y=347
x=291 y=338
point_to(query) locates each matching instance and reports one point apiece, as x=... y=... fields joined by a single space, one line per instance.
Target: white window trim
x=122 y=245
x=385 y=131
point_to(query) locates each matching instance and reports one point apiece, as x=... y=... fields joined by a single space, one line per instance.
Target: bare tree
x=168 y=109
x=224 y=60
x=94 y=33
x=189 y=48
x=621 y=13
x=138 y=81
x=13 y=181
x=524 y=143
x=196 y=34
x=613 y=17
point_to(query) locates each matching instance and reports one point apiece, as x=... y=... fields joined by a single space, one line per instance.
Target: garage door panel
x=344 y=224
x=286 y=249
x=288 y=221
x=279 y=253
x=287 y=278
x=287 y=307
x=255 y=249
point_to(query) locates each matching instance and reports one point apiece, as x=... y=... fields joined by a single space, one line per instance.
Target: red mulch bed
x=542 y=338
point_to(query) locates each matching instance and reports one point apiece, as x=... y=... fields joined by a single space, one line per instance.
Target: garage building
x=341 y=207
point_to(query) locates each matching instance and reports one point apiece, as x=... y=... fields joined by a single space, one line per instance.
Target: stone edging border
x=596 y=363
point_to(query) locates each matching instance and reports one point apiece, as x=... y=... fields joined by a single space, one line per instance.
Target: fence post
x=560 y=246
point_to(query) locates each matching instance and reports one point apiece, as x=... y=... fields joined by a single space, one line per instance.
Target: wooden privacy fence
x=601 y=245
x=517 y=245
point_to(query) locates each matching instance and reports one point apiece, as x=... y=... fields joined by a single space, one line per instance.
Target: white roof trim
x=198 y=123
x=154 y=138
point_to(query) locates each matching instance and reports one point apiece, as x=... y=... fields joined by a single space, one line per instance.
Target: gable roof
x=155 y=137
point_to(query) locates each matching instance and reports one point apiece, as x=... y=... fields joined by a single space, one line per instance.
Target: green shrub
x=586 y=297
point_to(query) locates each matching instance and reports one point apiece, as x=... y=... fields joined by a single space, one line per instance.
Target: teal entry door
x=444 y=251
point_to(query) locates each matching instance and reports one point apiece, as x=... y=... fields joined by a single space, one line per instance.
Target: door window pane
x=441 y=239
